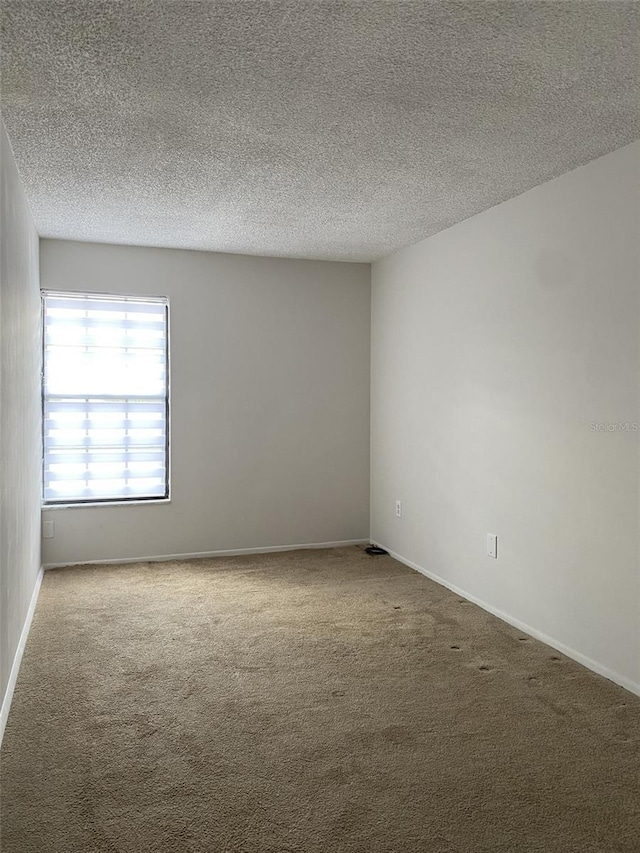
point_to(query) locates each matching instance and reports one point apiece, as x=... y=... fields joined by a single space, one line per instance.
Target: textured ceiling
x=312 y=129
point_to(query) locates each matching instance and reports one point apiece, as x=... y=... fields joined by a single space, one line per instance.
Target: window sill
x=105 y=504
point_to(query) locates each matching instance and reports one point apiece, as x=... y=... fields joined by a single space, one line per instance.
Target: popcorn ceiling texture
x=339 y=130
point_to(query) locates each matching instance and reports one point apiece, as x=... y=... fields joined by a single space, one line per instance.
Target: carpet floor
x=311 y=701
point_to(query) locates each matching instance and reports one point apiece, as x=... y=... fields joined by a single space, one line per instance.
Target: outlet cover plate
x=492 y=545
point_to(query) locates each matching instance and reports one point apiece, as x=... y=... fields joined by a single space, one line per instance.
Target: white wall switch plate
x=399 y=509
x=48 y=529
x=492 y=545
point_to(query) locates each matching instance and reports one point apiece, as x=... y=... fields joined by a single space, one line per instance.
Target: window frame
x=67 y=503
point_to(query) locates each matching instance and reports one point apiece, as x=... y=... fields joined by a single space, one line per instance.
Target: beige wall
x=269 y=402
x=496 y=345
x=20 y=426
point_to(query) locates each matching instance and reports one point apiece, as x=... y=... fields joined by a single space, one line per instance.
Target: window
x=105 y=398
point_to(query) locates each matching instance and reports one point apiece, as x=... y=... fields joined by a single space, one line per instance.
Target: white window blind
x=105 y=398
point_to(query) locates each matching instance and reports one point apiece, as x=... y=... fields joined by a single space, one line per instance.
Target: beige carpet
x=319 y=701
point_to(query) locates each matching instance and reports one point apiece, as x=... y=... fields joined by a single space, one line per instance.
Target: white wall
x=20 y=426
x=269 y=402
x=495 y=345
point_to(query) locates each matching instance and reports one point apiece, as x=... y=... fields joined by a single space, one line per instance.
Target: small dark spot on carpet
x=554 y=657
x=337 y=692
x=396 y=607
x=337 y=774
x=397 y=735
x=523 y=639
x=532 y=679
x=485 y=667
x=455 y=648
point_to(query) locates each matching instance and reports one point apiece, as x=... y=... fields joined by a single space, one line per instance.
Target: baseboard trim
x=589 y=663
x=17 y=658
x=162 y=558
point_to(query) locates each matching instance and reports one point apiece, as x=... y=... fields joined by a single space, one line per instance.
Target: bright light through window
x=105 y=396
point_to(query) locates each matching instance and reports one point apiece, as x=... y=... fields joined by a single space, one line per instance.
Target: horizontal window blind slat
x=95 y=441
x=103 y=427
x=73 y=415
x=133 y=349
x=108 y=324
x=90 y=456
x=143 y=336
x=91 y=353
x=72 y=493
x=54 y=320
x=108 y=378
x=72 y=304
x=87 y=406
x=105 y=399
x=115 y=473
x=109 y=433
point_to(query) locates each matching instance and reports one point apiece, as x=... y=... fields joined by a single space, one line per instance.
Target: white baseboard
x=161 y=558
x=17 y=658
x=593 y=665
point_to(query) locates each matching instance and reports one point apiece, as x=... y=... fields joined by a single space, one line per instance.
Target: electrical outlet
x=48 y=529
x=492 y=545
x=398 y=509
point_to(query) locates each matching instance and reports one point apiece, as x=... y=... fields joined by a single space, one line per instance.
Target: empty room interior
x=319 y=426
